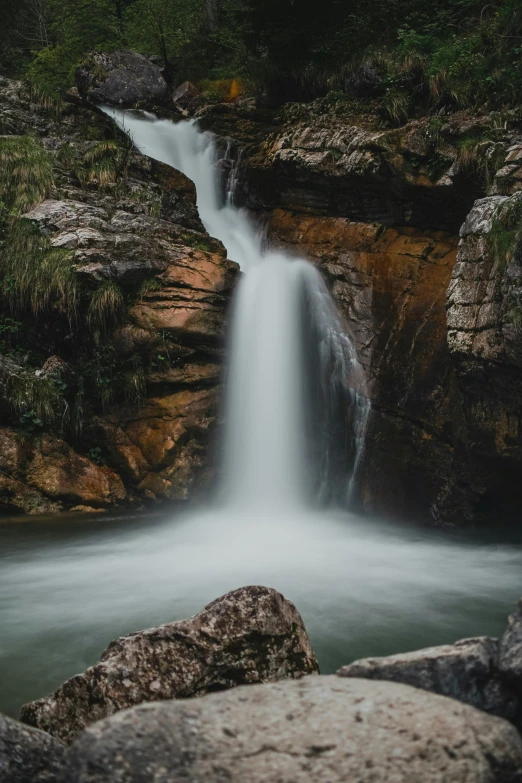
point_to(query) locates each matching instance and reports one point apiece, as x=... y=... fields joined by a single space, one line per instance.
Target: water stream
x=295 y=411
x=296 y=414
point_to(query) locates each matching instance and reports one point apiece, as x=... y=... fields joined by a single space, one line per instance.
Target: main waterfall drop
x=295 y=417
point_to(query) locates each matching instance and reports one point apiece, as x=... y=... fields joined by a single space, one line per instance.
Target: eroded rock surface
x=28 y=755
x=467 y=671
x=250 y=635
x=321 y=729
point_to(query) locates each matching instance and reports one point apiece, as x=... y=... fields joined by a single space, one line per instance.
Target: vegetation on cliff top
x=409 y=53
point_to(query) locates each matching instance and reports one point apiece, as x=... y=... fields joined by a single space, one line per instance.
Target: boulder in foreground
x=320 y=729
x=28 y=755
x=467 y=670
x=251 y=635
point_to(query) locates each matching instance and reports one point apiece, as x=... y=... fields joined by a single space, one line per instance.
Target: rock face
x=390 y=285
x=250 y=635
x=484 y=315
x=139 y=232
x=379 y=212
x=121 y=78
x=321 y=729
x=467 y=671
x=28 y=755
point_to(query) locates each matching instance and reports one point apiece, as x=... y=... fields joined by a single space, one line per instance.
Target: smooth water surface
x=67 y=588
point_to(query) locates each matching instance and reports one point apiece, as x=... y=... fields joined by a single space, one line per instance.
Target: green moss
x=195 y=240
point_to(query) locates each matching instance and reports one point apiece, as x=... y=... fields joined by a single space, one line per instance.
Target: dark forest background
x=408 y=53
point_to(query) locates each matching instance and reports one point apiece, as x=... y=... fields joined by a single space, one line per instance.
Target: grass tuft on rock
x=135 y=384
x=36 y=276
x=106 y=308
x=104 y=163
x=26 y=173
x=506 y=232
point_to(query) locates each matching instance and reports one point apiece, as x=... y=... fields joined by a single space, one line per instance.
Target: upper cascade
x=295 y=408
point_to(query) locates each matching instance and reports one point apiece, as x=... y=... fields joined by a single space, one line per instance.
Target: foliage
x=408 y=52
x=104 y=163
x=106 y=308
x=109 y=378
x=506 y=231
x=35 y=401
x=149 y=286
x=37 y=277
x=26 y=173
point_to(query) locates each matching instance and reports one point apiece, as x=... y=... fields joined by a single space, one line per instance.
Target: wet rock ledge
x=447 y=713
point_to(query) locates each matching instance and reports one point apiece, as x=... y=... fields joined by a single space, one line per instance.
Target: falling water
x=294 y=422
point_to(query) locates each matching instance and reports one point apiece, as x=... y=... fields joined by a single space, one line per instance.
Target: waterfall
x=295 y=415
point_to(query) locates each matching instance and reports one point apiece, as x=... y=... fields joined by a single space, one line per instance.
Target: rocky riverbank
x=447 y=713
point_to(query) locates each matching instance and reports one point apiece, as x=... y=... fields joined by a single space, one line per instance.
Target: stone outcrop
x=327 y=166
x=468 y=671
x=379 y=212
x=140 y=231
x=324 y=729
x=28 y=755
x=250 y=635
x=121 y=78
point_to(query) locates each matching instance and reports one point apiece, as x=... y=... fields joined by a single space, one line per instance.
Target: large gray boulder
x=28 y=755
x=121 y=78
x=467 y=670
x=250 y=635
x=320 y=729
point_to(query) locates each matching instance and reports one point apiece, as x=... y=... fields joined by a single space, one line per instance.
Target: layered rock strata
x=129 y=224
x=379 y=211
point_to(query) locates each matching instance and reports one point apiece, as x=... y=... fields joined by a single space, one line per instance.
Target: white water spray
x=293 y=417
